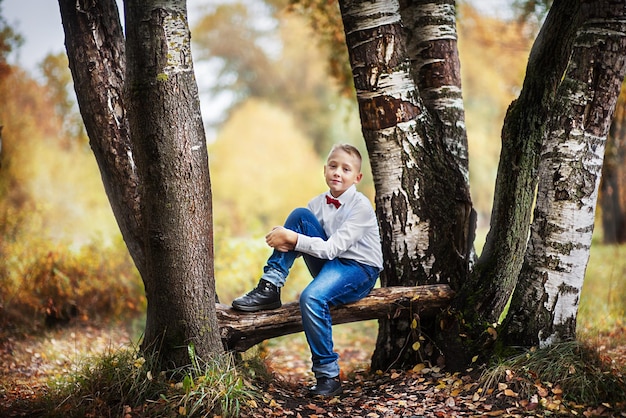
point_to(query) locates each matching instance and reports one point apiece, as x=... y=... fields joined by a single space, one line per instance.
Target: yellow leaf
x=416 y=346
x=474 y=359
x=413 y=324
x=182 y=410
x=419 y=367
x=251 y=403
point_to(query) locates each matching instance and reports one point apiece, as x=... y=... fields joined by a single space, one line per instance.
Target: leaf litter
x=26 y=364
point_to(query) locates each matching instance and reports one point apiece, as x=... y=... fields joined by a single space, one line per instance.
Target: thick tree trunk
x=484 y=297
x=94 y=42
x=545 y=303
x=240 y=330
x=172 y=163
x=419 y=186
x=613 y=184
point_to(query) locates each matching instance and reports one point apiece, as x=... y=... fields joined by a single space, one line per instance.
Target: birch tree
x=411 y=162
x=409 y=153
x=545 y=302
x=145 y=129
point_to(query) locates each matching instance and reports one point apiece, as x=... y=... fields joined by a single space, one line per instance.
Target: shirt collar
x=347 y=195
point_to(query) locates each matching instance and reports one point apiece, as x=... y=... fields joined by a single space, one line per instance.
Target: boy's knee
x=299 y=213
x=308 y=298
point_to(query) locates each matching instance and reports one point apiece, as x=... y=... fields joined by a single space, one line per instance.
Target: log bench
x=241 y=330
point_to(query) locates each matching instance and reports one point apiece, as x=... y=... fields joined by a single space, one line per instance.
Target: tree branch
x=241 y=330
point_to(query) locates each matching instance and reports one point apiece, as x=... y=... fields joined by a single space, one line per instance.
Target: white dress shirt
x=352 y=230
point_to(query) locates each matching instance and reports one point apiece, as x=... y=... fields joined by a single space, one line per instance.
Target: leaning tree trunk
x=485 y=295
x=172 y=163
x=544 y=306
x=419 y=186
x=613 y=184
x=94 y=42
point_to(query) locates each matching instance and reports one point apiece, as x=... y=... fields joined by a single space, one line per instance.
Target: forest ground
x=28 y=362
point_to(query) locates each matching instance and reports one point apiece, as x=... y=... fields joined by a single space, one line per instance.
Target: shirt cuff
x=301 y=242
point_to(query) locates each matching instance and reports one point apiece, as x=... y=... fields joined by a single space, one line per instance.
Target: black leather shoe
x=326 y=386
x=265 y=296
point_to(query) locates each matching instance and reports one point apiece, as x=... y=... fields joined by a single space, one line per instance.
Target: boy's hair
x=349 y=149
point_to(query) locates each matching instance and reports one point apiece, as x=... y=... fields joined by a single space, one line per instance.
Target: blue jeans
x=335 y=282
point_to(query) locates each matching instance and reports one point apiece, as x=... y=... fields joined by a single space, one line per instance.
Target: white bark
x=394 y=145
x=570 y=172
x=445 y=100
x=568 y=189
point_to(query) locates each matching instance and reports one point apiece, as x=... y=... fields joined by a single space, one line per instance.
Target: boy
x=337 y=235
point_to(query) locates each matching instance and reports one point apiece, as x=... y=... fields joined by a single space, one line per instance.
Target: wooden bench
x=242 y=330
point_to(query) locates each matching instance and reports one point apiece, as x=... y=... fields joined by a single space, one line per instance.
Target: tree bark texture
x=545 y=303
x=240 y=330
x=436 y=69
x=94 y=42
x=613 y=183
x=172 y=163
x=422 y=196
x=497 y=270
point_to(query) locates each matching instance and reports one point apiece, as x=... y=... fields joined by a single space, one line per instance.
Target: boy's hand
x=282 y=239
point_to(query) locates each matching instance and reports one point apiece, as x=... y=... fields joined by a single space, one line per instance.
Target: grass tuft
x=124 y=382
x=579 y=372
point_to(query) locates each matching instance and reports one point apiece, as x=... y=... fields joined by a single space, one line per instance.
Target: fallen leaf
x=419 y=367
x=510 y=393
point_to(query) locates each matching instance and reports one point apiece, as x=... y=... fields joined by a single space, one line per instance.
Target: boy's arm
x=349 y=233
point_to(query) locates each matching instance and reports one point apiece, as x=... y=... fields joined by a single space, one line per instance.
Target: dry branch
x=241 y=330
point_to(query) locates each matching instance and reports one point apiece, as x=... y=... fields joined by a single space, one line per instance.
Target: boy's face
x=341 y=171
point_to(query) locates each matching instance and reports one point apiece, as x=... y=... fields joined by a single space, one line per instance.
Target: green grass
x=603 y=299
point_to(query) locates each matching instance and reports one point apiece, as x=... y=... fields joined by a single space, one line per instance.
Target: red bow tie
x=331 y=201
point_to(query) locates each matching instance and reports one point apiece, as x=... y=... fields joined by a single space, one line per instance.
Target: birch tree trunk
x=419 y=186
x=492 y=282
x=172 y=163
x=544 y=306
x=436 y=68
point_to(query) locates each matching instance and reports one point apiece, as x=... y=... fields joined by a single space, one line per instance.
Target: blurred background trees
x=58 y=245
